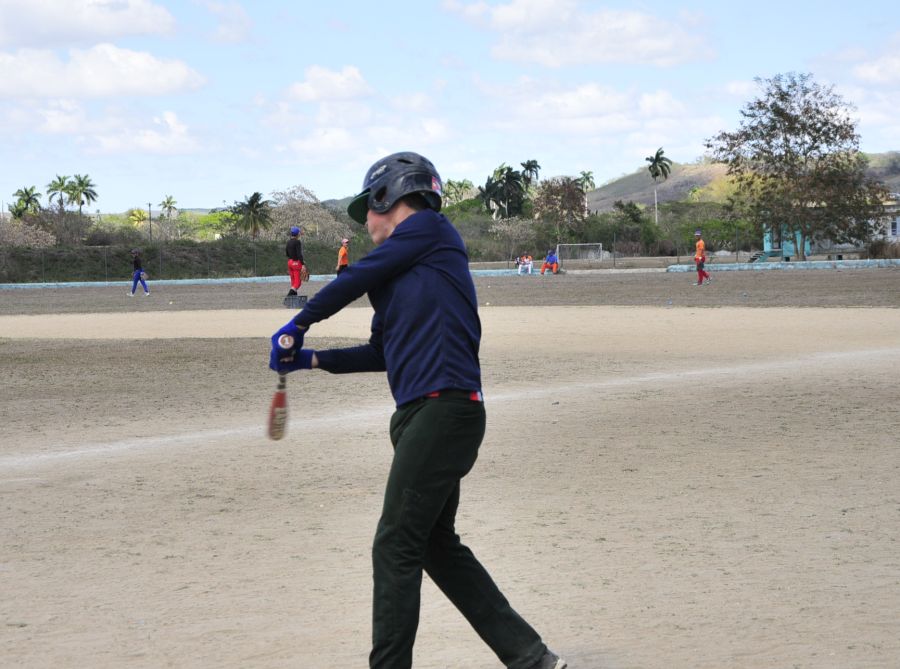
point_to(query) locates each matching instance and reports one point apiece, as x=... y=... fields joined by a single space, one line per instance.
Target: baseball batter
x=425 y=334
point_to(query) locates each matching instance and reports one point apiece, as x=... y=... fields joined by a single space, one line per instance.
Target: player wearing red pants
x=294 y=251
x=700 y=259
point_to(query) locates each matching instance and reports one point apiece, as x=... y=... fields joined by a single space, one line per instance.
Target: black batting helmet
x=391 y=178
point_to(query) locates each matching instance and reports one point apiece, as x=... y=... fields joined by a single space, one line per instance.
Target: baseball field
x=673 y=476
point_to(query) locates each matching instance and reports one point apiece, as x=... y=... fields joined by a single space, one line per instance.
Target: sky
x=209 y=101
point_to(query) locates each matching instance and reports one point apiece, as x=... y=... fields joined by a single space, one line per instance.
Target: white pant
x=525 y=267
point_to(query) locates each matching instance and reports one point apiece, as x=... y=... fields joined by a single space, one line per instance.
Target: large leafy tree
x=659 y=168
x=252 y=215
x=81 y=190
x=58 y=189
x=560 y=203
x=796 y=161
x=299 y=206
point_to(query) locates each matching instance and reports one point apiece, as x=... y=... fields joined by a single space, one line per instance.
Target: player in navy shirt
x=425 y=334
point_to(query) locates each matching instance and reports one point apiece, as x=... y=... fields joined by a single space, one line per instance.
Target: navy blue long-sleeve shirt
x=426 y=331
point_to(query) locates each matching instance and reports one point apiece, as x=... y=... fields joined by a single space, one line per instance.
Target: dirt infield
x=673 y=476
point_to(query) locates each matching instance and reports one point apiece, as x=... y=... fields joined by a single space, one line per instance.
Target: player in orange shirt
x=343 y=256
x=700 y=259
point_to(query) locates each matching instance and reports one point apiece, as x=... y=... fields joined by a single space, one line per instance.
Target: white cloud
x=234 y=24
x=884 y=70
x=660 y=103
x=324 y=142
x=53 y=23
x=742 y=89
x=62 y=117
x=324 y=84
x=555 y=33
x=167 y=136
x=101 y=71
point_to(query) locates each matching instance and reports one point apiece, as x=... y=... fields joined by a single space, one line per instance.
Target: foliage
x=796 y=161
x=109 y=233
x=530 y=171
x=514 y=232
x=252 y=215
x=299 y=206
x=67 y=227
x=659 y=168
x=19 y=233
x=504 y=192
x=168 y=206
x=81 y=190
x=28 y=201
x=58 y=189
x=560 y=204
x=457 y=191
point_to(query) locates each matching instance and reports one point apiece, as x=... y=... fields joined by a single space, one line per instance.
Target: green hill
x=710 y=179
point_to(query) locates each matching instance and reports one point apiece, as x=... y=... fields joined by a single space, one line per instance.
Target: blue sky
x=209 y=101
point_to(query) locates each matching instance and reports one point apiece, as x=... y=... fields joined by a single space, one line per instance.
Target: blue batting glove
x=288 y=337
x=285 y=362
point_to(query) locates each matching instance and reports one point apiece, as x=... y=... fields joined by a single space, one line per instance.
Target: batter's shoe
x=550 y=660
x=147 y=294
x=129 y=294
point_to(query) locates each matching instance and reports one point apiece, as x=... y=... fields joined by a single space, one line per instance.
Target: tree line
x=794 y=167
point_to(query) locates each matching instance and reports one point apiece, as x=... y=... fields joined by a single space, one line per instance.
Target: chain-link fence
x=224 y=259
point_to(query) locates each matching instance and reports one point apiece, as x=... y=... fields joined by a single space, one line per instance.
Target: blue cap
x=295 y=230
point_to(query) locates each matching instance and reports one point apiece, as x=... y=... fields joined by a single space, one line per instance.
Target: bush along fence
x=173 y=260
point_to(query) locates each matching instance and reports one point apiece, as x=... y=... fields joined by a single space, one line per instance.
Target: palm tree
x=510 y=189
x=489 y=195
x=586 y=181
x=58 y=188
x=82 y=190
x=137 y=217
x=659 y=167
x=253 y=214
x=168 y=206
x=530 y=171
x=28 y=201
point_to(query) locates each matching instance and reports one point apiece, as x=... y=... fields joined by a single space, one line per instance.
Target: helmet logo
x=377 y=172
x=436 y=185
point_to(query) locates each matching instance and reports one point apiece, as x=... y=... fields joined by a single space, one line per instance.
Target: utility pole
x=150 y=221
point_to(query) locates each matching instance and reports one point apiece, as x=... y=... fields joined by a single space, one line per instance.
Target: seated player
x=551 y=262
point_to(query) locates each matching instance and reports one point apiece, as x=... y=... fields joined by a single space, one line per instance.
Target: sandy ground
x=673 y=476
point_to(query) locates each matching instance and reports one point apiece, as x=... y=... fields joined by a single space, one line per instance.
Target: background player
x=137 y=275
x=343 y=256
x=700 y=259
x=294 y=251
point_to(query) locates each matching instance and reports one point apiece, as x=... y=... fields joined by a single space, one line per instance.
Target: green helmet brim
x=359 y=207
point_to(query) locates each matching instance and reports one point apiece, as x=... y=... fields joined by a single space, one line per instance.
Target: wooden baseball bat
x=278 y=411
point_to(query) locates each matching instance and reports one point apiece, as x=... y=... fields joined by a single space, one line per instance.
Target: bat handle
x=282 y=381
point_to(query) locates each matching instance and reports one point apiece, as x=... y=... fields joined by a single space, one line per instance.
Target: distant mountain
x=638 y=186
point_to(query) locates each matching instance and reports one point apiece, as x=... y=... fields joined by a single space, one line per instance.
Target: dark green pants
x=435 y=444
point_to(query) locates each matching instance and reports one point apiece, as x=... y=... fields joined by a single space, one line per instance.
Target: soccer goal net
x=580 y=256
